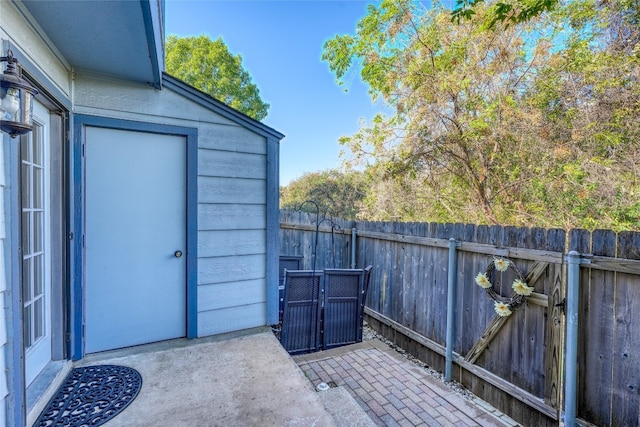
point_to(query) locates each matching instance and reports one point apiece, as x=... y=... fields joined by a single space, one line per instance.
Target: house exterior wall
x=29 y=45
x=232 y=204
x=19 y=31
x=236 y=167
x=4 y=295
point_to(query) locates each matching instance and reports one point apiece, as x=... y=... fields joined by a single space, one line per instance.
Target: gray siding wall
x=232 y=164
x=30 y=40
x=4 y=295
x=24 y=37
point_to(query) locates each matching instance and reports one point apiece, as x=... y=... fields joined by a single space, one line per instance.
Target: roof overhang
x=122 y=38
x=219 y=107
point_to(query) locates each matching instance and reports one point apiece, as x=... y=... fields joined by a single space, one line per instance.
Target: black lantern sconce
x=16 y=100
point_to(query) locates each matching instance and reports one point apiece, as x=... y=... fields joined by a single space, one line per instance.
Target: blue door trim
x=16 y=399
x=273 y=229
x=77 y=297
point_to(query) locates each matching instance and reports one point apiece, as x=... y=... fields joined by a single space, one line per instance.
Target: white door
x=135 y=230
x=36 y=254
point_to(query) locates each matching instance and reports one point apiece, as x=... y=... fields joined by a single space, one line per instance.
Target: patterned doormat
x=91 y=396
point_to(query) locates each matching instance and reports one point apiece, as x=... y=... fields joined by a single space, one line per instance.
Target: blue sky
x=281 y=46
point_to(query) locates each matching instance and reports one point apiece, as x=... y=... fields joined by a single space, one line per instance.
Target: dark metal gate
x=323 y=309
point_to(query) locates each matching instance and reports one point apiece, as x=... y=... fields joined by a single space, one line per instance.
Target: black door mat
x=91 y=396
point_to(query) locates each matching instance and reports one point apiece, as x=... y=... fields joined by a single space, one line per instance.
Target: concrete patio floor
x=248 y=379
x=238 y=379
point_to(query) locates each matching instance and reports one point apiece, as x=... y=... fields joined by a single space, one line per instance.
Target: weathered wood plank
x=497 y=322
x=430 y=344
x=533 y=352
x=554 y=355
x=488 y=249
x=391 y=266
x=625 y=358
x=426 y=241
x=428 y=329
x=312 y=228
x=620 y=265
x=513 y=252
x=467 y=296
x=489 y=334
x=580 y=241
x=596 y=326
x=441 y=278
x=422 y=294
x=538 y=299
x=512 y=390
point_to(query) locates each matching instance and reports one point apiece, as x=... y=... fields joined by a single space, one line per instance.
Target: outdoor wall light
x=16 y=99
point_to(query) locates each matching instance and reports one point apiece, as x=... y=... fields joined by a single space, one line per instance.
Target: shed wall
x=232 y=180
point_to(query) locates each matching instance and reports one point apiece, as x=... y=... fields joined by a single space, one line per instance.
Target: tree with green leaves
x=209 y=66
x=338 y=194
x=528 y=122
x=454 y=88
x=505 y=12
x=588 y=99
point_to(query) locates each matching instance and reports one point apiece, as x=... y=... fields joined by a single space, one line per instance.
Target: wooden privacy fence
x=516 y=363
x=608 y=327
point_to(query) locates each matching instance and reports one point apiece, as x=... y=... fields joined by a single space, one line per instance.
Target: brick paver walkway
x=393 y=391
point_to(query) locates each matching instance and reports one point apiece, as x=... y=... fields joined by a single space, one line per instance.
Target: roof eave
x=219 y=107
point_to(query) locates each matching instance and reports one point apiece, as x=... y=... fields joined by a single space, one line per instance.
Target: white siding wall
x=231 y=197
x=4 y=298
x=29 y=39
x=21 y=35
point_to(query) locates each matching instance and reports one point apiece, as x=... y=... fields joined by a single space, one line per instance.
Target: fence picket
x=626 y=367
x=597 y=303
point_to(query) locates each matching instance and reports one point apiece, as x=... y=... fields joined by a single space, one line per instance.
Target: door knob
x=177 y=254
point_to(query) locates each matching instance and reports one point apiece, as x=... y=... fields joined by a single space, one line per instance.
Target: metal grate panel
x=342 y=307
x=363 y=298
x=301 y=315
x=286 y=262
x=323 y=309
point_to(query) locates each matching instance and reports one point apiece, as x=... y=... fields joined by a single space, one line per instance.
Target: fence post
x=354 y=233
x=451 y=306
x=571 y=356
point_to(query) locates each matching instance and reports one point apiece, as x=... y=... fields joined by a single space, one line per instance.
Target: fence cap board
x=312 y=227
x=619 y=265
x=513 y=252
